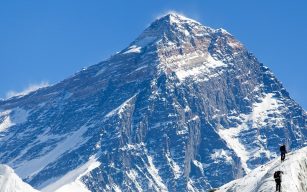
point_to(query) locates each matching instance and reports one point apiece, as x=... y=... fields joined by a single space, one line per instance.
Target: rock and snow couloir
x=10 y=182
x=261 y=179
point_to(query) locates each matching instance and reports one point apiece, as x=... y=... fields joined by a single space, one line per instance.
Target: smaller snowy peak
x=294 y=176
x=10 y=182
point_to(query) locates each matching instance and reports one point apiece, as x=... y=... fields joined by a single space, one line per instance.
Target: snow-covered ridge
x=71 y=182
x=10 y=182
x=294 y=178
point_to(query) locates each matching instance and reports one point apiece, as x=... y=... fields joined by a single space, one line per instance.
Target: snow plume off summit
x=183 y=108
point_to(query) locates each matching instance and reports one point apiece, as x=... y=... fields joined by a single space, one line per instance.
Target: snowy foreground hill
x=10 y=182
x=261 y=179
x=184 y=107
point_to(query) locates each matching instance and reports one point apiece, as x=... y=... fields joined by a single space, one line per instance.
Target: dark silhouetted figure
x=277 y=177
x=283 y=152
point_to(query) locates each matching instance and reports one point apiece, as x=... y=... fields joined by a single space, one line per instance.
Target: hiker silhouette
x=277 y=177
x=283 y=152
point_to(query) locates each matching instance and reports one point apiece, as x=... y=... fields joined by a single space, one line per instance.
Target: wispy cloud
x=29 y=89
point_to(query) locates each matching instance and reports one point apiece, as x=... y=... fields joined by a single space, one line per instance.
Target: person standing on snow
x=283 y=152
x=277 y=177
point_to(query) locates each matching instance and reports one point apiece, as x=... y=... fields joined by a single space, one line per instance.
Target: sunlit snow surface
x=261 y=179
x=10 y=182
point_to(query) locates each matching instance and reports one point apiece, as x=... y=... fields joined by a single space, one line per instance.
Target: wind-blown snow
x=294 y=178
x=10 y=182
x=12 y=117
x=29 y=89
x=71 y=181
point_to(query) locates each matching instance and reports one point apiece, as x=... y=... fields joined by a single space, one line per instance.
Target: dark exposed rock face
x=184 y=107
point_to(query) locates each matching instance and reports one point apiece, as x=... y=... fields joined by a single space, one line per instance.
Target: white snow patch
x=187 y=109
x=199 y=165
x=115 y=187
x=132 y=174
x=190 y=186
x=133 y=49
x=71 y=182
x=221 y=153
x=129 y=147
x=154 y=172
x=175 y=167
x=195 y=64
x=231 y=137
x=262 y=110
x=10 y=182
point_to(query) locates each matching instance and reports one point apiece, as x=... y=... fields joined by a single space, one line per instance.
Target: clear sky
x=47 y=41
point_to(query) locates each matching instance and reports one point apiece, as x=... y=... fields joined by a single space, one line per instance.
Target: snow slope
x=261 y=179
x=71 y=181
x=10 y=182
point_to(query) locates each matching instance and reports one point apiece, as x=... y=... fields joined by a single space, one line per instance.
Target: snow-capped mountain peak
x=183 y=108
x=170 y=29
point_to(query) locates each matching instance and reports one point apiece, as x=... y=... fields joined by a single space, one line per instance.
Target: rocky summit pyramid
x=183 y=108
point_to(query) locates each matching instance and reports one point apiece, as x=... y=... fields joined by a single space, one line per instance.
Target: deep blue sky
x=52 y=39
